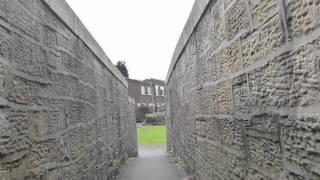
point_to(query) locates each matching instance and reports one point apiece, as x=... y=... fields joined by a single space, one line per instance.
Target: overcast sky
x=143 y=33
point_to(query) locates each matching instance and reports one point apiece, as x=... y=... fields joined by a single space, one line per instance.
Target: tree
x=121 y=65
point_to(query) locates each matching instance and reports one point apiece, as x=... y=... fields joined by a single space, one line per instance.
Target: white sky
x=143 y=33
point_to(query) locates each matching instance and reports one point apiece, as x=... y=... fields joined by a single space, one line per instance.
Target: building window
x=138 y=104
x=150 y=104
x=161 y=90
x=157 y=90
x=143 y=91
x=144 y=104
x=149 y=90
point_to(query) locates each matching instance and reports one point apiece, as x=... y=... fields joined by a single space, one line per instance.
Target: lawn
x=152 y=135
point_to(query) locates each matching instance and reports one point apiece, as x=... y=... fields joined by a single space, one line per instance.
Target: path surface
x=152 y=164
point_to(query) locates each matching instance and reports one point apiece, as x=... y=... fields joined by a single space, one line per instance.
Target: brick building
x=147 y=93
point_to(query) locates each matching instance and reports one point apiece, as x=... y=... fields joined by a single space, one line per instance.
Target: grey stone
x=65 y=111
x=252 y=112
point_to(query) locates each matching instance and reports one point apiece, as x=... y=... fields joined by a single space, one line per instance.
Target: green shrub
x=116 y=163
x=141 y=112
x=154 y=118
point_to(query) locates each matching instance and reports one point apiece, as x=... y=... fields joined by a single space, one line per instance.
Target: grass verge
x=152 y=135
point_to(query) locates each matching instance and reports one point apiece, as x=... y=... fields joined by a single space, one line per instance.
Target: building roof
x=150 y=80
x=156 y=81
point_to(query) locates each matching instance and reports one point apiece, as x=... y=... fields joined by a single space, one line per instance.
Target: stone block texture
x=63 y=114
x=243 y=98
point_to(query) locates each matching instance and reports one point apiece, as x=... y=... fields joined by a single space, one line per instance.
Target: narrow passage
x=152 y=164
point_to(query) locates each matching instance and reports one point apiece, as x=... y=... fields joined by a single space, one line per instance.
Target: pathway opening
x=153 y=161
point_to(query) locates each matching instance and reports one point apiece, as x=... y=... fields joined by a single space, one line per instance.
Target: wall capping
x=197 y=11
x=68 y=16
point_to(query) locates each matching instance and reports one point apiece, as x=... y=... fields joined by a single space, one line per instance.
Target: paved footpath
x=152 y=164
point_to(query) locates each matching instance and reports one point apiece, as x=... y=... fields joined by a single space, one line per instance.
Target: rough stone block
x=210 y=65
x=28 y=57
x=301 y=138
x=4 y=80
x=86 y=93
x=205 y=102
x=53 y=60
x=69 y=172
x=56 y=121
x=62 y=41
x=4 y=9
x=49 y=37
x=4 y=174
x=263 y=138
x=39 y=121
x=22 y=94
x=54 y=174
x=265 y=153
x=38 y=156
x=195 y=103
x=15 y=135
x=224 y=165
x=253 y=174
x=81 y=50
x=22 y=20
x=78 y=112
x=88 y=75
x=22 y=51
x=67 y=62
x=57 y=104
x=232 y=59
x=228 y=132
x=302 y=16
x=236 y=19
x=227 y=3
x=231 y=133
x=64 y=85
x=189 y=67
x=213 y=133
x=201 y=127
x=268 y=123
x=211 y=30
x=5 y=43
x=78 y=141
x=59 y=150
x=222 y=98
x=241 y=95
x=200 y=154
x=262 y=42
x=294 y=79
x=262 y=9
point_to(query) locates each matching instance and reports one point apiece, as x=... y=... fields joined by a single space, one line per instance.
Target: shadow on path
x=152 y=164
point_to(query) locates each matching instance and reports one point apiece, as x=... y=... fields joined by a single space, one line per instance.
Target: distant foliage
x=121 y=65
x=154 y=118
x=141 y=112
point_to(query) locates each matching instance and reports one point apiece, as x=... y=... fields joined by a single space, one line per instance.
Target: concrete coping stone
x=68 y=16
x=197 y=11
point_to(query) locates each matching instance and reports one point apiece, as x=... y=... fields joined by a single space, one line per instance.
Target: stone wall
x=243 y=90
x=64 y=110
x=131 y=130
